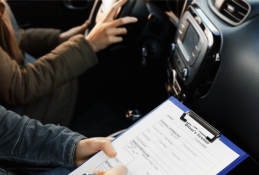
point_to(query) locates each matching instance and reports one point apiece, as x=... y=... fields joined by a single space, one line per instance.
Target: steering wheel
x=125 y=11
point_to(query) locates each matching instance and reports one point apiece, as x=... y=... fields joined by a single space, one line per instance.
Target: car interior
x=202 y=52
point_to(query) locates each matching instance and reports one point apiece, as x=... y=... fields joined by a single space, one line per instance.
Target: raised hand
x=106 y=31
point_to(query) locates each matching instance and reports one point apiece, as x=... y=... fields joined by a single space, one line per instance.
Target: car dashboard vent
x=233 y=12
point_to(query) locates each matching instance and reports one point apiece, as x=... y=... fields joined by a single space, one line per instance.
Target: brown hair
x=7 y=39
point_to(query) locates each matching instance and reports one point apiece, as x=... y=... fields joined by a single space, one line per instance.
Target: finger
x=114 y=10
x=123 y=21
x=106 y=138
x=107 y=148
x=86 y=24
x=118 y=170
x=115 y=39
x=110 y=138
x=104 y=145
x=84 y=27
x=117 y=31
x=97 y=172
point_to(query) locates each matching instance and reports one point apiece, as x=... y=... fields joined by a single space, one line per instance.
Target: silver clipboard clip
x=203 y=123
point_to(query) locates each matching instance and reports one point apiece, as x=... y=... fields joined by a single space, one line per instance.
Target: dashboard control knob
x=134 y=115
x=153 y=19
x=173 y=46
x=185 y=73
x=144 y=52
x=156 y=26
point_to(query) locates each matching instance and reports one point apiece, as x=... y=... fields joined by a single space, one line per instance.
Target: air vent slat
x=239 y=4
x=241 y=13
x=236 y=19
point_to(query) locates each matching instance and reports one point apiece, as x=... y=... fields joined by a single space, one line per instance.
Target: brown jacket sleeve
x=39 y=41
x=66 y=62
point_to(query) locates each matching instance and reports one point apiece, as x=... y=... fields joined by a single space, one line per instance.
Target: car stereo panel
x=191 y=46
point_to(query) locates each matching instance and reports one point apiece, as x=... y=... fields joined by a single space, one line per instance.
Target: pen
x=89 y=174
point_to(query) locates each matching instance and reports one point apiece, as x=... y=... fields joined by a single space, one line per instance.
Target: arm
x=39 y=41
x=28 y=141
x=42 y=41
x=66 y=62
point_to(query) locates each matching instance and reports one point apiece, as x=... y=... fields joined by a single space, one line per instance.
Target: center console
x=194 y=58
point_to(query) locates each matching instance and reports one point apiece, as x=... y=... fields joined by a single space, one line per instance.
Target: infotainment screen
x=190 y=40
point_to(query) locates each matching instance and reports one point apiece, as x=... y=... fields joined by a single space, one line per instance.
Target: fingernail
x=114 y=151
x=134 y=19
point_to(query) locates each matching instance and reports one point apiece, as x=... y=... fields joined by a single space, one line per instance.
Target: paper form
x=162 y=144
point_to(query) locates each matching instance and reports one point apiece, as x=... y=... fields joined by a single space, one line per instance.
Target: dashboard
x=213 y=61
x=219 y=79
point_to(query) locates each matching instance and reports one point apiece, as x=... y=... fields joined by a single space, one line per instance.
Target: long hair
x=7 y=38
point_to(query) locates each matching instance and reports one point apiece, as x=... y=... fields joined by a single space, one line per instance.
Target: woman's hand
x=86 y=148
x=106 y=31
x=72 y=32
x=118 y=170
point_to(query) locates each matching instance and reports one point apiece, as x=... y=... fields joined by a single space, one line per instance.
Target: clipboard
x=211 y=129
x=217 y=135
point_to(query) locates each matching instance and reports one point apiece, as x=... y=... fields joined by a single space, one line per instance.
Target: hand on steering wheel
x=72 y=32
x=106 y=31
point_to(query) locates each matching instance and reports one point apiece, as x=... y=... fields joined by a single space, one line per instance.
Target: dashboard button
x=173 y=46
x=199 y=46
x=178 y=62
x=196 y=52
x=194 y=56
x=185 y=73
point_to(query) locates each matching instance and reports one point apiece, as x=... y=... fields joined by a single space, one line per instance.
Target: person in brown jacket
x=48 y=87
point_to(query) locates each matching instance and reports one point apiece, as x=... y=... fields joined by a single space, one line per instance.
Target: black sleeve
x=23 y=140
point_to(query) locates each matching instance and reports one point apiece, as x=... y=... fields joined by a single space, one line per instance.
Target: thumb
x=86 y=24
x=83 y=27
x=104 y=144
x=118 y=170
x=107 y=148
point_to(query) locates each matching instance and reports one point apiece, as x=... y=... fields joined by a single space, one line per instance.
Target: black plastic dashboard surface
x=232 y=104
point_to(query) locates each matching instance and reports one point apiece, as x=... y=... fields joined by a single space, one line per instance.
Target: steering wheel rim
x=125 y=10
